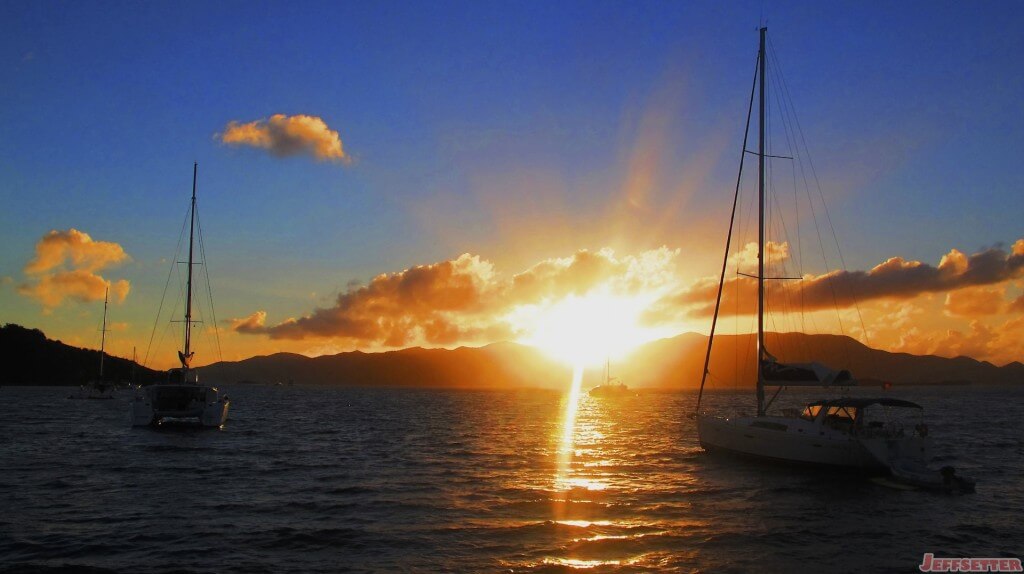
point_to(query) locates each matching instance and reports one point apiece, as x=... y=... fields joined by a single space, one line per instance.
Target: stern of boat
x=889 y=451
x=215 y=414
x=180 y=402
x=142 y=409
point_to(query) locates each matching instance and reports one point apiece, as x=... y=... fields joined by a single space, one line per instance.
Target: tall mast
x=187 y=355
x=760 y=232
x=103 y=331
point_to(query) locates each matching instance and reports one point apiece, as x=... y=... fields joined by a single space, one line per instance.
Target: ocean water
x=315 y=479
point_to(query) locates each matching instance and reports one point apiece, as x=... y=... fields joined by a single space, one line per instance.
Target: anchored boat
x=863 y=433
x=99 y=388
x=612 y=386
x=182 y=398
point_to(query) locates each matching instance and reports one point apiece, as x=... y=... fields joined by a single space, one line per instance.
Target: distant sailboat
x=182 y=397
x=100 y=388
x=612 y=386
x=835 y=432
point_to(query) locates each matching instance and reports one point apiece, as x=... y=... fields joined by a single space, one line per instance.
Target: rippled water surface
x=310 y=479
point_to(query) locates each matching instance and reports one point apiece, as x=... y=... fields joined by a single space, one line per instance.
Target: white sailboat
x=853 y=432
x=182 y=398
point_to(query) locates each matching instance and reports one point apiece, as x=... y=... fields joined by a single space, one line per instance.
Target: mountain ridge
x=672 y=363
x=31 y=358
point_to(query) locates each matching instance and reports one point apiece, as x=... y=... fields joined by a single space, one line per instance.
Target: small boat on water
x=99 y=388
x=866 y=433
x=944 y=480
x=182 y=398
x=612 y=386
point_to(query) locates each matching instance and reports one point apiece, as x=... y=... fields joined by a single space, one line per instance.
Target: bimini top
x=860 y=403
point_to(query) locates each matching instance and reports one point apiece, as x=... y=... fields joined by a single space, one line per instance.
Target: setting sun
x=585 y=330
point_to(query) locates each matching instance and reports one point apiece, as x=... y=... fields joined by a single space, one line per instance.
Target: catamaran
x=182 y=398
x=853 y=432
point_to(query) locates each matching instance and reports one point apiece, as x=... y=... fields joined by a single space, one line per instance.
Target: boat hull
x=201 y=405
x=795 y=440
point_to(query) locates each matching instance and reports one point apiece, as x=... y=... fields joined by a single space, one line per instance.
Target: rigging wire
x=821 y=244
x=725 y=260
x=167 y=284
x=209 y=291
x=828 y=215
x=793 y=152
x=781 y=300
x=175 y=266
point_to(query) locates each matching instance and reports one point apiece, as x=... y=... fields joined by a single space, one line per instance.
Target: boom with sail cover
x=813 y=374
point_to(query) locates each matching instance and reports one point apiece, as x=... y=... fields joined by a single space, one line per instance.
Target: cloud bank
x=462 y=300
x=66 y=266
x=285 y=136
x=466 y=300
x=894 y=279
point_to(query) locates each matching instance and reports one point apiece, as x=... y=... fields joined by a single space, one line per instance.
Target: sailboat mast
x=188 y=300
x=103 y=330
x=760 y=232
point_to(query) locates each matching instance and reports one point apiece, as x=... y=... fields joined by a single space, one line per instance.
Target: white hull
x=796 y=440
x=182 y=402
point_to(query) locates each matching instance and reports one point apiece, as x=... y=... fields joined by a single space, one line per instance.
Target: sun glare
x=585 y=330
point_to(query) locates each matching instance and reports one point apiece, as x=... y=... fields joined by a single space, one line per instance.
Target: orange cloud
x=51 y=290
x=393 y=308
x=893 y=279
x=585 y=270
x=252 y=324
x=66 y=266
x=1002 y=344
x=745 y=260
x=75 y=249
x=461 y=300
x=1017 y=306
x=287 y=136
x=974 y=301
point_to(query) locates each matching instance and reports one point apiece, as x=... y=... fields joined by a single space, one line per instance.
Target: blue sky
x=469 y=122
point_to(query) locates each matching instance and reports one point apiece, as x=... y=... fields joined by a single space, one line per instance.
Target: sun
x=585 y=330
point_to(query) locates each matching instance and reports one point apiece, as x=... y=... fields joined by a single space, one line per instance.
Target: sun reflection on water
x=605 y=487
x=565 y=450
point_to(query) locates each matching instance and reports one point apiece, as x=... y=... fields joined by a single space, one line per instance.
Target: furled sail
x=185 y=359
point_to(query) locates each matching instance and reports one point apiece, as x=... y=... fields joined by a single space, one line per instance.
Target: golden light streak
x=565 y=445
x=569 y=424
